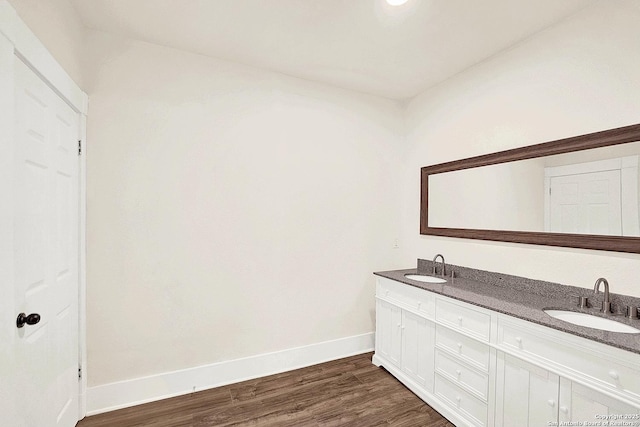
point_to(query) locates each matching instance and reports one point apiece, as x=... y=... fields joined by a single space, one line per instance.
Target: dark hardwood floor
x=345 y=392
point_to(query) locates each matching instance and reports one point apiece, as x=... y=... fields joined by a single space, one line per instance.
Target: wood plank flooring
x=345 y=392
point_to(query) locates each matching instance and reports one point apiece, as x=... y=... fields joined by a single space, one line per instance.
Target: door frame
x=628 y=167
x=31 y=51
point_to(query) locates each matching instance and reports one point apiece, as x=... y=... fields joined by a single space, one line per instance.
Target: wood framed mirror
x=578 y=192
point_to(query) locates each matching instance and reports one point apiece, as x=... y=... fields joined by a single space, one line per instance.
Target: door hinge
x=79 y=147
x=79 y=372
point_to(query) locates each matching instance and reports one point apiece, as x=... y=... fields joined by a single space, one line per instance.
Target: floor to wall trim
x=122 y=394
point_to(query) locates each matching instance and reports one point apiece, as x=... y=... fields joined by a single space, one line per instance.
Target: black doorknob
x=31 y=319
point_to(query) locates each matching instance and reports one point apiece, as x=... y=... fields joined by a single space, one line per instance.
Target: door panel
x=418 y=337
x=45 y=246
x=8 y=384
x=527 y=394
x=587 y=203
x=580 y=404
x=388 y=322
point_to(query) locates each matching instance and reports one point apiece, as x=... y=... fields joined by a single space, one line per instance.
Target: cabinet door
x=583 y=405
x=388 y=331
x=526 y=395
x=418 y=336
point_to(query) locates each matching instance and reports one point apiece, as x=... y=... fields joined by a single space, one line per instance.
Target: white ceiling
x=366 y=45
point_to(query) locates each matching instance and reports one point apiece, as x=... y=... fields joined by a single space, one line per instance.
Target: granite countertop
x=525 y=299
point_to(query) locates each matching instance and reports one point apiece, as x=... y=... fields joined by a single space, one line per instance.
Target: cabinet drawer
x=467 y=349
x=586 y=360
x=407 y=296
x=461 y=374
x=470 y=320
x=467 y=405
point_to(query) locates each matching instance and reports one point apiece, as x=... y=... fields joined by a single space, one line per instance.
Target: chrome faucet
x=606 y=303
x=444 y=266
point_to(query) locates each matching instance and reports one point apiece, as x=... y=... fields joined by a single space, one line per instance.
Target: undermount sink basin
x=590 y=321
x=425 y=279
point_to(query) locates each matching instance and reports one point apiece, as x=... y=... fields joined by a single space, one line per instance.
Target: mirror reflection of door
x=593 y=198
x=587 y=203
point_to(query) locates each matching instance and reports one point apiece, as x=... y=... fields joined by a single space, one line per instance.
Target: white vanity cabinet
x=478 y=367
x=438 y=348
x=404 y=334
x=565 y=377
x=530 y=396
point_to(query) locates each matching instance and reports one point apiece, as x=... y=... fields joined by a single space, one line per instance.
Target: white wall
x=234 y=211
x=58 y=26
x=580 y=76
x=231 y=211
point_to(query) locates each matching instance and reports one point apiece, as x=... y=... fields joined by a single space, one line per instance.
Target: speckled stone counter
x=525 y=299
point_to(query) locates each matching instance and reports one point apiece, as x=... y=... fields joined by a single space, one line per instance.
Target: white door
x=45 y=254
x=388 y=323
x=526 y=395
x=587 y=203
x=582 y=405
x=418 y=340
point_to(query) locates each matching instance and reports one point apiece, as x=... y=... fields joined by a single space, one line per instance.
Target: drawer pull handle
x=564 y=409
x=399 y=325
x=459 y=346
x=459 y=319
x=419 y=304
x=551 y=402
x=458 y=399
x=458 y=372
x=614 y=375
x=387 y=293
x=403 y=327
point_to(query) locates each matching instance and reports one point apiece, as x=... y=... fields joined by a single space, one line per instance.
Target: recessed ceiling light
x=396 y=2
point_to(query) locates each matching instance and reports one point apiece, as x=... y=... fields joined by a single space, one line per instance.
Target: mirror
x=578 y=192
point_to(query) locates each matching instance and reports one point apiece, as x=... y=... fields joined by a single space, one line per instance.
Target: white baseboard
x=122 y=394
